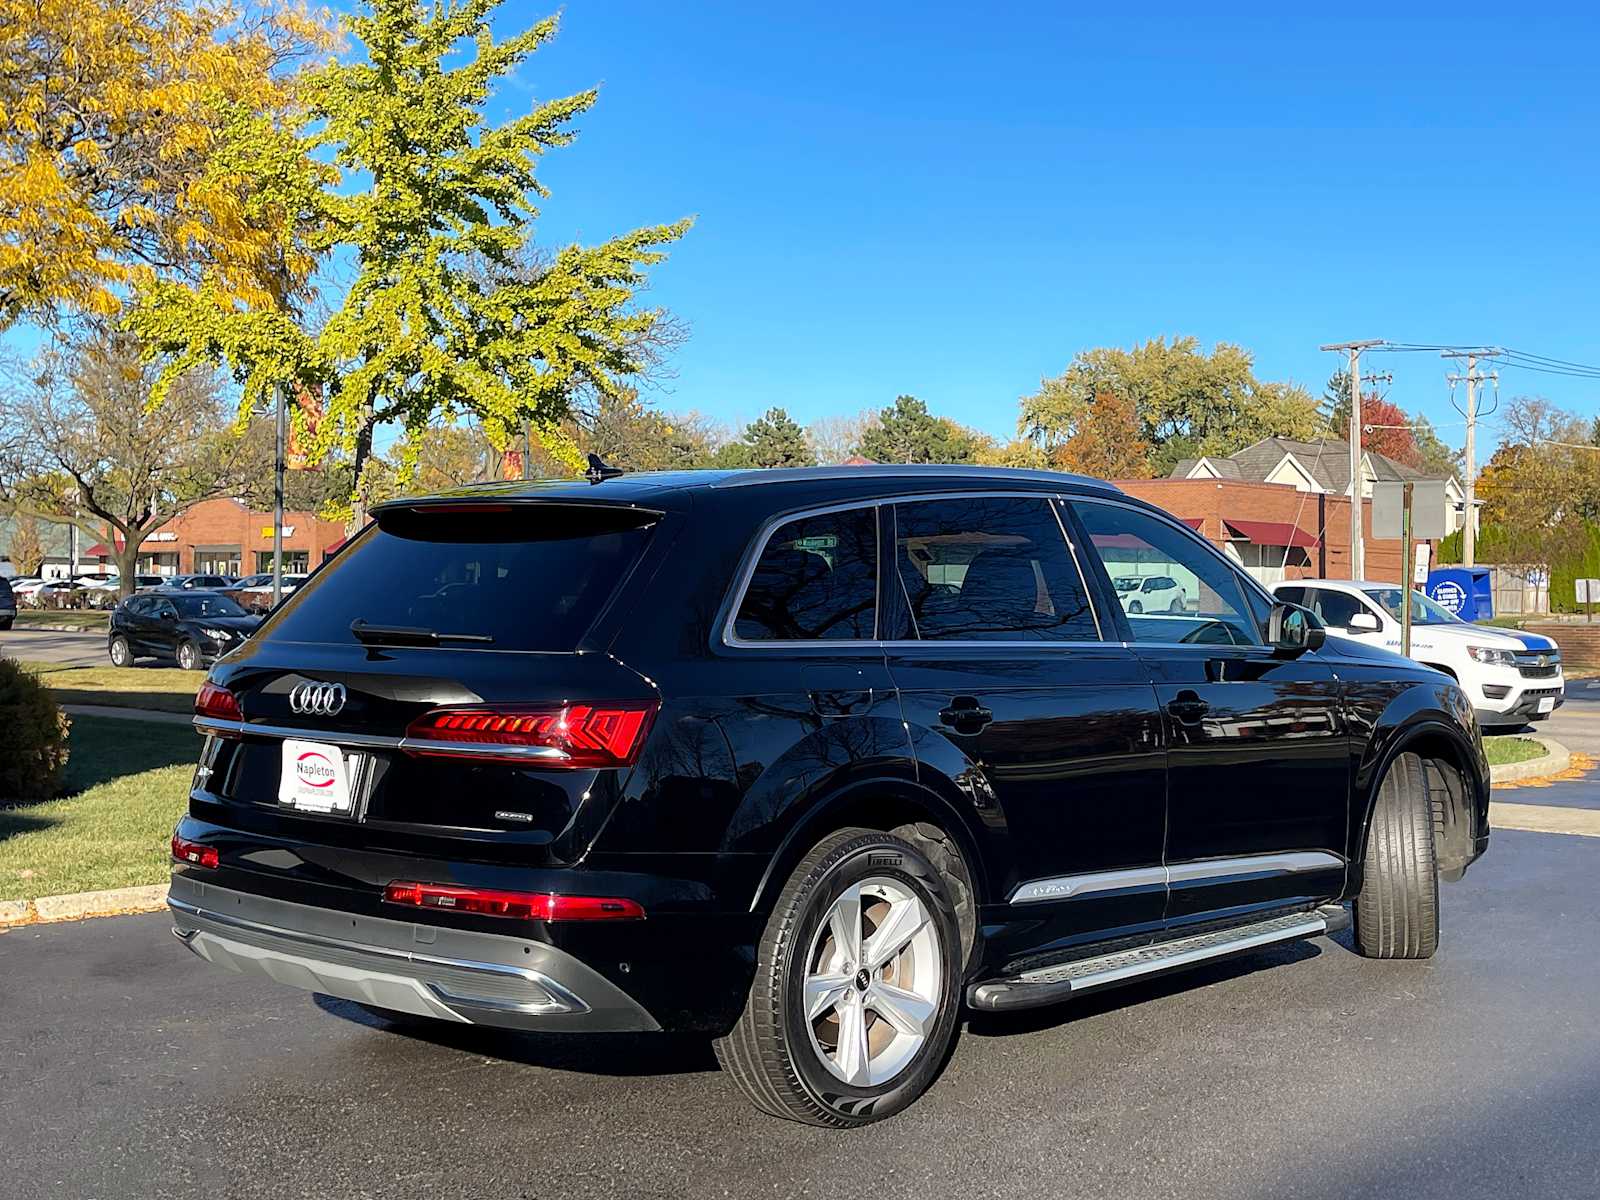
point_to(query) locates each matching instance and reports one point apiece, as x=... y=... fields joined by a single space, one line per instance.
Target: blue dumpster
x=1465 y=591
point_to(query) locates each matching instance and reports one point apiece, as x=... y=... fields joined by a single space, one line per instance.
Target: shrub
x=33 y=737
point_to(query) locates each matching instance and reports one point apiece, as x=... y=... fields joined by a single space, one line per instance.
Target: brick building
x=224 y=537
x=1273 y=530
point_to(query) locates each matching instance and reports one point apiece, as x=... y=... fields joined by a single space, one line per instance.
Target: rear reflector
x=571 y=735
x=528 y=906
x=213 y=700
x=193 y=853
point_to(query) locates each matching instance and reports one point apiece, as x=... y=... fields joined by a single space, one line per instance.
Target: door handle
x=965 y=715
x=1187 y=708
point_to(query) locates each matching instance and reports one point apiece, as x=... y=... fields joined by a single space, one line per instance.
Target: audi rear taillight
x=193 y=853
x=528 y=906
x=568 y=735
x=213 y=700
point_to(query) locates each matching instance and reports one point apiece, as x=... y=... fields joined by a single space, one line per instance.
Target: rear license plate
x=1547 y=704
x=315 y=778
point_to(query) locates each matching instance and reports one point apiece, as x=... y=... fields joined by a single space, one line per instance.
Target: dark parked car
x=806 y=761
x=8 y=604
x=193 y=627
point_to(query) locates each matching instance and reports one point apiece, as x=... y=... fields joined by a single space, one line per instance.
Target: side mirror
x=1292 y=630
x=1364 y=622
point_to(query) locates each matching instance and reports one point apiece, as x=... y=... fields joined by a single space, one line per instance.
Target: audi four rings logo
x=317 y=699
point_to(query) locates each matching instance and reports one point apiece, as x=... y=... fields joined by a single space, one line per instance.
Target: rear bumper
x=449 y=974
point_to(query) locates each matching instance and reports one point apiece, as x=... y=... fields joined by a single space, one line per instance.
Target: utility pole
x=1357 y=549
x=1473 y=377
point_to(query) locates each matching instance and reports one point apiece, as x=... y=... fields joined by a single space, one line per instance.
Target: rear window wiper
x=408 y=635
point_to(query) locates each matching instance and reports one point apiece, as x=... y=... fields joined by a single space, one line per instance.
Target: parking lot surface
x=129 y=1068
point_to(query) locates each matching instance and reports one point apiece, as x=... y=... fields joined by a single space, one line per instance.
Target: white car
x=1510 y=677
x=1151 y=594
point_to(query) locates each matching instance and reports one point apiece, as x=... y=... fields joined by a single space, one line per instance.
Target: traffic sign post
x=1405 y=561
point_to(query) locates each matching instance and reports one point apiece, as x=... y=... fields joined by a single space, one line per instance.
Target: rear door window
x=523 y=576
x=989 y=568
x=816 y=580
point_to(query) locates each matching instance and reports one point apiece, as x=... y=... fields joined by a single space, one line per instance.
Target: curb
x=37 y=628
x=75 y=907
x=1556 y=760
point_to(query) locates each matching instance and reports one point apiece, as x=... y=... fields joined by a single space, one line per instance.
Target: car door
x=1014 y=686
x=1258 y=766
x=162 y=637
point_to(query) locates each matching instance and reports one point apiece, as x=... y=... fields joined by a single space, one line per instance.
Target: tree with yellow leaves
x=112 y=114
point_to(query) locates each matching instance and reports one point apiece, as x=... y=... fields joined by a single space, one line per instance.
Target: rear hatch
x=436 y=689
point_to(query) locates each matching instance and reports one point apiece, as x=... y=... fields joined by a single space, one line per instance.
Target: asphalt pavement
x=39 y=645
x=129 y=1068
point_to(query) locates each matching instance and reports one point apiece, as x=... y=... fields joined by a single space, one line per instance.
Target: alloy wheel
x=873 y=983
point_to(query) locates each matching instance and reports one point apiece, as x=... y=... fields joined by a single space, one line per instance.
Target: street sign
x=1588 y=591
x=1419 y=572
x=1428 y=507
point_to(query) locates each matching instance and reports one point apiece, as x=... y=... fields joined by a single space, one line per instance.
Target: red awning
x=101 y=550
x=1195 y=523
x=1269 y=533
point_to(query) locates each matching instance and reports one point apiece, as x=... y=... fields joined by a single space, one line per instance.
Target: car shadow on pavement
x=625 y=1054
x=1032 y=1020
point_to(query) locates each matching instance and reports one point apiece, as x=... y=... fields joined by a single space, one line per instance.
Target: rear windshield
x=527 y=577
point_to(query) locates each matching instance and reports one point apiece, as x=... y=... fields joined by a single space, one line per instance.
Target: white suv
x=1510 y=677
x=1151 y=593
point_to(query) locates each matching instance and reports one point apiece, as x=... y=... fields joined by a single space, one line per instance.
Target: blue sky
x=951 y=200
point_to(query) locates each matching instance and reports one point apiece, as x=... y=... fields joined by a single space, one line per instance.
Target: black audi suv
x=807 y=761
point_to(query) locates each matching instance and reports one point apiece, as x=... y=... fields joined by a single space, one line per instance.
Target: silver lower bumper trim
x=454 y=978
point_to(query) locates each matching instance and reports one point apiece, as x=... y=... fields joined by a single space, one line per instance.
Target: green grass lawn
x=127 y=784
x=166 y=689
x=78 y=618
x=1503 y=750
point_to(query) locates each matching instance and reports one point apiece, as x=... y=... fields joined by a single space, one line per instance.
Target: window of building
x=295 y=562
x=1205 y=605
x=816 y=580
x=216 y=560
x=989 y=568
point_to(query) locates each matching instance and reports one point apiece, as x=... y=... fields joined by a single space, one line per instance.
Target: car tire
x=804 y=1070
x=1397 y=909
x=6 y=624
x=121 y=652
x=1136 y=607
x=189 y=657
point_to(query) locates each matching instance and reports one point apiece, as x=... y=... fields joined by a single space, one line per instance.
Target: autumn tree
x=1386 y=428
x=1107 y=442
x=104 y=460
x=27 y=547
x=111 y=115
x=1541 y=488
x=448 y=313
x=1186 y=401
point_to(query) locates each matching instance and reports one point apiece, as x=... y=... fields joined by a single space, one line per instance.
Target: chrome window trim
x=730 y=640
x=1197 y=871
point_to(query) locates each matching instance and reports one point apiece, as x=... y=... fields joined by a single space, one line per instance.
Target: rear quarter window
x=528 y=576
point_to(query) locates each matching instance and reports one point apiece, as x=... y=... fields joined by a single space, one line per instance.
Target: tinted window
x=532 y=577
x=194 y=607
x=1292 y=595
x=1204 y=604
x=816 y=579
x=992 y=568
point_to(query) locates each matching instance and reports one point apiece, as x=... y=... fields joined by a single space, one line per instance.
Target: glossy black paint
x=1037 y=760
x=159 y=632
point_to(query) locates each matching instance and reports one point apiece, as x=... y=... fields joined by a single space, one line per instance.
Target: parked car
x=51 y=593
x=8 y=604
x=255 y=592
x=1510 y=677
x=805 y=761
x=1151 y=593
x=194 y=627
x=191 y=583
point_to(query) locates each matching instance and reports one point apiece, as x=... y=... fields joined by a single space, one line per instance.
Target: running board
x=1049 y=985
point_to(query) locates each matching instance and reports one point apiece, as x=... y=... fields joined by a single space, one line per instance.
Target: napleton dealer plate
x=315 y=778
